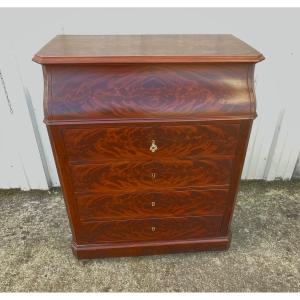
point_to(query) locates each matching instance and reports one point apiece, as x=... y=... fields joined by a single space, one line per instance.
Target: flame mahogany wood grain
x=136 y=175
x=147 y=91
x=113 y=143
x=236 y=174
x=150 y=229
x=106 y=98
x=151 y=204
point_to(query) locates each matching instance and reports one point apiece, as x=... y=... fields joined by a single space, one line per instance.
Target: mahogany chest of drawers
x=149 y=135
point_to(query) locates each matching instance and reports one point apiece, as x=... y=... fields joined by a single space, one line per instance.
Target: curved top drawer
x=104 y=93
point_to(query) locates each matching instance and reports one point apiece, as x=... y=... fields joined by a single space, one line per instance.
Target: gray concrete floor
x=264 y=255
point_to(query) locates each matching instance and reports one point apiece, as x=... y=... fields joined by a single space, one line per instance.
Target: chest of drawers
x=149 y=135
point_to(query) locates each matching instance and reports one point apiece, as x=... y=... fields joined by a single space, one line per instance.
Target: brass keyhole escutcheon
x=153 y=147
x=153 y=175
x=153 y=203
x=153 y=228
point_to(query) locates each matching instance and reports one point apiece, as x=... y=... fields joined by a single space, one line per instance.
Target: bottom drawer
x=150 y=229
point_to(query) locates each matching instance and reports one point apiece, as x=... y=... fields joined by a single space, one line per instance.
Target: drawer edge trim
x=50 y=122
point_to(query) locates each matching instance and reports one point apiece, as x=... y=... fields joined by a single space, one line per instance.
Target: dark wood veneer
x=150 y=229
x=108 y=99
x=135 y=175
x=113 y=143
x=151 y=204
x=143 y=91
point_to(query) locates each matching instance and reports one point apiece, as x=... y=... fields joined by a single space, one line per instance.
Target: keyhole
x=153 y=203
x=153 y=228
x=153 y=146
x=153 y=175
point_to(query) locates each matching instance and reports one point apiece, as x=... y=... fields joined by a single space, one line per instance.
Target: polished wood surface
x=86 y=93
x=150 y=229
x=102 y=250
x=113 y=143
x=130 y=175
x=149 y=138
x=146 y=48
x=151 y=204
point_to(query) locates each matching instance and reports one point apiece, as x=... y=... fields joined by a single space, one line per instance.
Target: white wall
x=274 y=144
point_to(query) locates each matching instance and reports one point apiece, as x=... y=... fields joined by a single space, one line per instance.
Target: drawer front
x=96 y=144
x=171 y=203
x=130 y=175
x=148 y=90
x=150 y=229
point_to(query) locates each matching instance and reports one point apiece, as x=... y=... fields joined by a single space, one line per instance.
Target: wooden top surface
x=146 y=49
